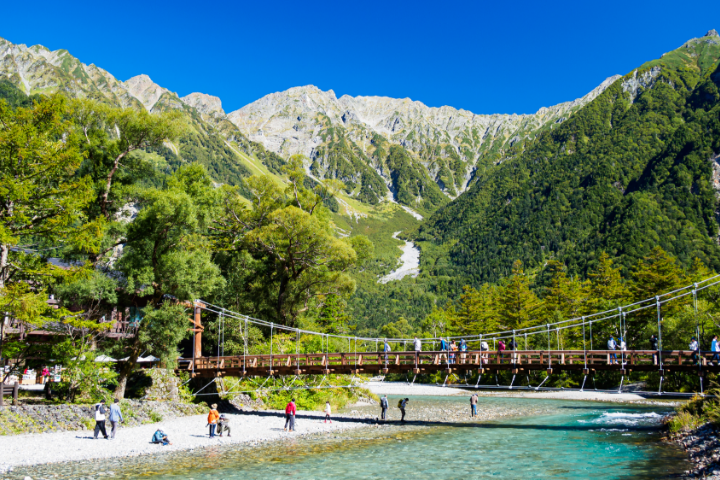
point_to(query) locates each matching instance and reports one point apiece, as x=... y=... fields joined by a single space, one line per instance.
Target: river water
x=557 y=439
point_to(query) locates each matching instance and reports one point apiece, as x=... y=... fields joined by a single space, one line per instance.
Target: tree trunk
x=127 y=369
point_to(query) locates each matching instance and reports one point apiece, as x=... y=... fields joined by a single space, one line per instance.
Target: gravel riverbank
x=703 y=448
x=185 y=433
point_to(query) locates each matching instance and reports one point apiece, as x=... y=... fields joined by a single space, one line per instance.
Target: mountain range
x=631 y=165
x=381 y=148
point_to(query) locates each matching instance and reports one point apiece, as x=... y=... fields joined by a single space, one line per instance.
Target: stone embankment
x=703 y=447
x=61 y=418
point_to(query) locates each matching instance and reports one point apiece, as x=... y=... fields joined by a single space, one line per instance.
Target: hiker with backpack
x=501 y=349
x=402 y=404
x=100 y=419
x=484 y=347
x=383 y=407
x=463 y=349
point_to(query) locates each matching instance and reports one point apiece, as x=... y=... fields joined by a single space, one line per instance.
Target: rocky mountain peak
x=712 y=33
x=207 y=104
x=145 y=90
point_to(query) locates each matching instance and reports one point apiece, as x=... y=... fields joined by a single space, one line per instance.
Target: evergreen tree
x=519 y=306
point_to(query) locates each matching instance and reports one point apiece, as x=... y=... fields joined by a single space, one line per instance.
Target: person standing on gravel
x=100 y=419
x=115 y=417
x=213 y=417
x=327 y=412
x=290 y=412
x=473 y=405
x=383 y=407
x=403 y=406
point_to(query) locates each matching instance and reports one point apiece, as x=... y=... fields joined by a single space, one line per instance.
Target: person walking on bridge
x=611 y=345
x=417 y=345
x=484 y=348
x=695 y=347
x=473 y=405
x=463 y=349
x=501 y=349
x=512 y=346
x=715 y=347
x=443 y=348
x=403 y=406
x=386 y=349
x=290 y=412
x=453 y=349
x=383 y=407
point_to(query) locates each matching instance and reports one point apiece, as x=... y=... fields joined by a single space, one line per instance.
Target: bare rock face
x=204 y=103
x=39 y=70
x=296 y=121
x=712 y=33
x=145 y=90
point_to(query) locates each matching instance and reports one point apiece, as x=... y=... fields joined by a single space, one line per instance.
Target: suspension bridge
x=366 y=355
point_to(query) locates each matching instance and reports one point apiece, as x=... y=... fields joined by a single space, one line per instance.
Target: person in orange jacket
x=213 y=417
x=290 y=411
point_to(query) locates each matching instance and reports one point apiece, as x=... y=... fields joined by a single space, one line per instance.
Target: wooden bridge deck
x=375 y=363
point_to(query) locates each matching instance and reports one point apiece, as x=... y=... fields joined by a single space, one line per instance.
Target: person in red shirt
x=290 y=411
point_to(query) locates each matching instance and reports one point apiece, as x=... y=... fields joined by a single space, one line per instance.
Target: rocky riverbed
x=703 y=447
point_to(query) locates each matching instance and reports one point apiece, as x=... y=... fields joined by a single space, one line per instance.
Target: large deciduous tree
x=289 y=234
x=167 y=262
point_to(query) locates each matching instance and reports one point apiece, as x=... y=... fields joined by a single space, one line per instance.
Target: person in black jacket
x=384 y=407
x=512 y=345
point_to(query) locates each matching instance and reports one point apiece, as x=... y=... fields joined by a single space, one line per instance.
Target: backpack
x=484 y=345
x=400 y=404
x=501 y=346
x=157 y=437
x=611 y=344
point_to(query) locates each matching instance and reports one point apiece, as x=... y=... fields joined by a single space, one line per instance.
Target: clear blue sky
x=486 y=57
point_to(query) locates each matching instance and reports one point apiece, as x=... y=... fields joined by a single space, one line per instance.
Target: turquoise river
x=568 y=439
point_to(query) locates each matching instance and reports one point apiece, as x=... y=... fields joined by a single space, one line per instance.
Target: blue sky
x=486 y=57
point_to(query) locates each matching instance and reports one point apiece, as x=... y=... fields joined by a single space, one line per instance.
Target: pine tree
x=519 y=306
x=607 y=288
x=478 y=311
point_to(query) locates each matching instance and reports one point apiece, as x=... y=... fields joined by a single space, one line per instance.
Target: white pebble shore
x=185 y=433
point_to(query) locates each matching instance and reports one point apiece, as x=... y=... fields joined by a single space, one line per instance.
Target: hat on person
x=214 y=405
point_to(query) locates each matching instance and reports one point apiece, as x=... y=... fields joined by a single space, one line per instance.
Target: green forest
x=112 y=209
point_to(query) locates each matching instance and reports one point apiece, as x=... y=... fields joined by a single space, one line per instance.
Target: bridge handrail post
x=584 y=343
x=271 y=346
x=659 y=323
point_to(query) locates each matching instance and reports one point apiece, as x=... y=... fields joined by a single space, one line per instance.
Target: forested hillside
x=631 y=170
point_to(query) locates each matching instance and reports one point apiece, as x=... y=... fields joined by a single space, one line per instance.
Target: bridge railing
x=474 y=358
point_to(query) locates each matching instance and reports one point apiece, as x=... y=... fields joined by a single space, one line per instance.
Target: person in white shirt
x=417 y=344
x=100 y=419
x=327 y=412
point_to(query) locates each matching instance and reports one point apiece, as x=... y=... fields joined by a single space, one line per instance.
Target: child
x=327 y=412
